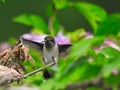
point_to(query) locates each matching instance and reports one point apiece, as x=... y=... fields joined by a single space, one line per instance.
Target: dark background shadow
x=69 y=18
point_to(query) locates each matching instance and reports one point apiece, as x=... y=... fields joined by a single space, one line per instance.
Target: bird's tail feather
x=48 y=74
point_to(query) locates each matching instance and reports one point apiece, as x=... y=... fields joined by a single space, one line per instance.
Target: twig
x=33 y=72
x=4 y=64
x=38 y=70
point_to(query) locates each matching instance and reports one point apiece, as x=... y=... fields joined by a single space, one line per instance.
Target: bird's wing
x=64 y=49
x=32 y=44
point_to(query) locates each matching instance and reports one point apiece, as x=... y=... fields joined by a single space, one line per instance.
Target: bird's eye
x=52 y=40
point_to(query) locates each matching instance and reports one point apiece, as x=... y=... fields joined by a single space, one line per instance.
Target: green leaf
x=48 y=85
x=111 y=25
x=93 y=13
x=32 y=20
x=110 y=52
x=109 y=67
x=113 y=57
x=100 y=60
x=81 y=47
x=23 y=19
x=34 y=80
x=79 y=70
x=60 y=4
x=70 y=67
x=77 y=34
x=3 y=1
x=91 y=71
x=94 y=88
x=113 y=80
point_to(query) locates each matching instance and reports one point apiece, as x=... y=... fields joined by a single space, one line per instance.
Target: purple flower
x=115 y=72
x=60 y=38
x=107 y=42
x=89 y=35
x=112 y=44
x=34 y=37
x=97 y=49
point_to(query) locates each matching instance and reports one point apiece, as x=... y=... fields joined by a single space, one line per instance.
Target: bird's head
x=49 y=41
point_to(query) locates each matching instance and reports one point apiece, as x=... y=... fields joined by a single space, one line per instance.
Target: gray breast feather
x=50 y=55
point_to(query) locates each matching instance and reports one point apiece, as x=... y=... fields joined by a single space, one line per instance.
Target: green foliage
x=113 y=57
x=81 y=47
x=111 y=25
x=60 y=4
x=32 y=20
x=3 y=1
x=113 y=80
x=92 y=13
x=80 y=65
x=72 y=69
x=94 y=88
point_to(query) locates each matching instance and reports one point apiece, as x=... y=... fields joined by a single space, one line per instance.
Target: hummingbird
x=51 y=51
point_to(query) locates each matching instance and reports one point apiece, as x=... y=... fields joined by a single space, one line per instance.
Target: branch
x=38 y=70
x=31 y=73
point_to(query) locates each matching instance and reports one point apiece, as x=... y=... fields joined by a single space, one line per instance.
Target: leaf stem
x=51 y=20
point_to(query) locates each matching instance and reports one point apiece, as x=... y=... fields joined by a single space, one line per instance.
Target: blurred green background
x=70 y=18
x=93 y=28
